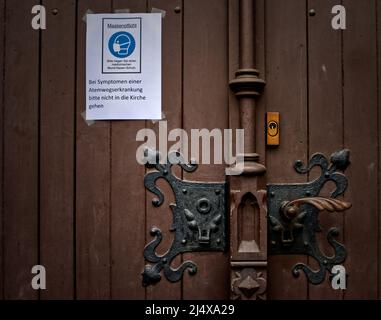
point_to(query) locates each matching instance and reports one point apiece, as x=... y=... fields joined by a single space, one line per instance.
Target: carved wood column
x=248 y=221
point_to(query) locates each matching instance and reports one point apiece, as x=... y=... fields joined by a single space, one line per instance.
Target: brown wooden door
x=72 y=193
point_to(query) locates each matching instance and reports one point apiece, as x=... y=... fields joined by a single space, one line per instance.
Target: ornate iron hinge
x=293 y=214
x=199 y=216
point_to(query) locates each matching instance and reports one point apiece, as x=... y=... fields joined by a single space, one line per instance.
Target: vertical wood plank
x=92 y=182
x=206 y=106
x=21 y=113
x=360 y=135
x=378 y=7
x=57 y=149
x=2 y=53
x=325 y=114
x=172 y=110
x=128 y=200
x=286 y=92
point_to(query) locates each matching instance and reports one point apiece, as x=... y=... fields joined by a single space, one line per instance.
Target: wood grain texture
x=206 y=106
x=325 y=115
x=72 y=195
x=57 y=149
x=21 y=116
x=2 y=54
x=378 y=8
x=360 y=135
x=128 y=225
x=93 y=180
x=172 y=111
x=286 y=92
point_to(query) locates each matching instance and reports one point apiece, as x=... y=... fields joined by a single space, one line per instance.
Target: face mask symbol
x=121 y=44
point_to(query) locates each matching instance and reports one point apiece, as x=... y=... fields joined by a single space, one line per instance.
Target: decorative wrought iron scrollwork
x=293 y=214
x=198 y=218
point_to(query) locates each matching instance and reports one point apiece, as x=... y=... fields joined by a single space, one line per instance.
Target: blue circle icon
x=121 y=44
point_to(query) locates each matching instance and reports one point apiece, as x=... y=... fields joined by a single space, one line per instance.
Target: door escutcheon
x=293 y=215
x=199 y=218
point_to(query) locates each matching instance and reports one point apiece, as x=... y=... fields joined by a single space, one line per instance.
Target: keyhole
x=273 y=129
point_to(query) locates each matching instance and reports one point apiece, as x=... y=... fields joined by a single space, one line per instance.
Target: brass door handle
x=292 y=208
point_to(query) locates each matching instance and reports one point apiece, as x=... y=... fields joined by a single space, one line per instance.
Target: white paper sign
x=123 y=66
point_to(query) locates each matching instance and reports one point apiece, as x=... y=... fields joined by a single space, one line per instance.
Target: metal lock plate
x=199 y=216
x=293 y=214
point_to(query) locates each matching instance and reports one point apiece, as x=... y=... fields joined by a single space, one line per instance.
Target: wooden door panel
x=361 y=135
x=172 y=110
x=378 y=7
x=93 y=178
x=2 y=51
x=20 y=158
x=72 y=193
x=205 y=106
x=325 y=111
x=128 y=210
x=57 y=135
x=286 y=92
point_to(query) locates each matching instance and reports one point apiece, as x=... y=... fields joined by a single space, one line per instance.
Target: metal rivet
x=55 y=11
x=185 y=191
x=312 y=12
x=217 y=191
x=218 y=240
x=177 y=10
x=183 y=241
x=327 y=174
x=164 y=260
x=165 y=172
x=273 y=243
x=306 y=244
x=272 y=194
x=308 y=193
